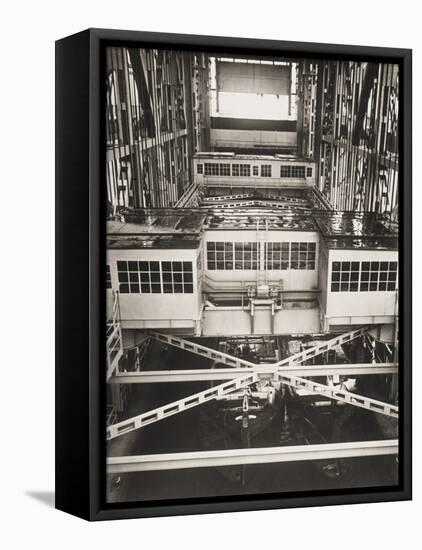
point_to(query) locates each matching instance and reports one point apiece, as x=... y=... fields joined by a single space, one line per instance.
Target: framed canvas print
x=233 y=274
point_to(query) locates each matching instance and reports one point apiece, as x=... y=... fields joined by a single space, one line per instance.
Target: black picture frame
x=80 y=255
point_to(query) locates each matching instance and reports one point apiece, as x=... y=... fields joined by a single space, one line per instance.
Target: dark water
x=182 y=433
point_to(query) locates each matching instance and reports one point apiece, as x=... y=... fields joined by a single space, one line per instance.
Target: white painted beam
x=262 y=370
x=266 y=455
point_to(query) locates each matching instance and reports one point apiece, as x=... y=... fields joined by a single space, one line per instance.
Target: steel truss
x=277 y=369
x=233 y=457
x=263 y=371
x=184 y=404
x=232 y=361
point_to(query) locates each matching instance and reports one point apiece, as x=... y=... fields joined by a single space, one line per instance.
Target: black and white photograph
x=252 y=274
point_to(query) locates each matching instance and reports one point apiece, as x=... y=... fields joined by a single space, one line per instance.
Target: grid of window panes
x=302 y=255
x=266 y=170
x=298 y=171
x=108 y=276
x=241 y=170
x=211 y=169
x=378 y=276
x=139 y=277
x=255 y=170
x=246 y=255
x=309 y=172
x=345 y=276
x=224 y=169
x=219 y=255
x=287 y=171
x=177 y=277
x=200 y=169
x=363 y=276
x=278 y=255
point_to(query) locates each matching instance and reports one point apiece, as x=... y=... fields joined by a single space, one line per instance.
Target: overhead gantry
x=245 y=373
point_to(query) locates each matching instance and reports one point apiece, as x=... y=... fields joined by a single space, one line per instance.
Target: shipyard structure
x=252 y=274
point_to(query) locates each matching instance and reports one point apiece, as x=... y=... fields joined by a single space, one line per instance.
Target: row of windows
x=150 y=277
x=244 y=255
x=108 y=277
x=295 y=172
x=221 y=255
x=291 y=255
x=363 y=276
x=244 y=170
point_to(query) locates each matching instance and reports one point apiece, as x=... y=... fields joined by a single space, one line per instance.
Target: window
x=265 y=170
x=378 y=276
x=298 y=171
x=108 y=277
x=211 y=169
x=199 y=168
x=302 y=255
x=245 y=255
x=363 y=276
x=139 y=277
x=345 y=277
x=309 y=172
x=255 y=170
x=278 y=255
x=243 y=170
x=177 y=277
x=219 y=255
x=287 y=171
x=224 y=169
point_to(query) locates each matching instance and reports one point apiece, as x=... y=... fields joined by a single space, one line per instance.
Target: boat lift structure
x=237 y=374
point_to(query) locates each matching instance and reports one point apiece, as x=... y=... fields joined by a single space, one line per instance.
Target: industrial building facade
x=251 y=274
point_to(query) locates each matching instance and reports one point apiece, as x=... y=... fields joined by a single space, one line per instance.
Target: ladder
x=114 y=344
x=261 y=243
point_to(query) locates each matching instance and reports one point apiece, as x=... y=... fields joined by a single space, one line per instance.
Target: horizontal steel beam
x=263 y=371
x=233 y=457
